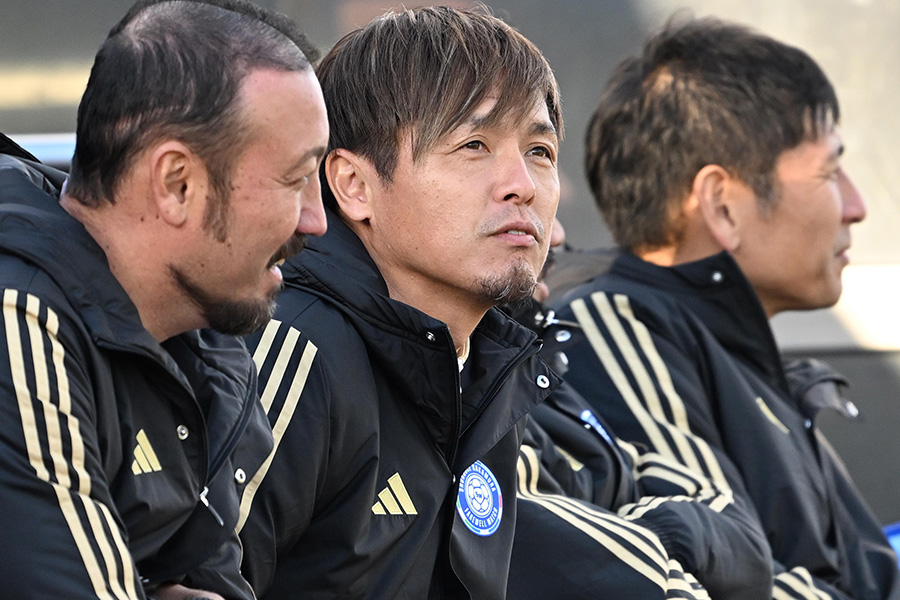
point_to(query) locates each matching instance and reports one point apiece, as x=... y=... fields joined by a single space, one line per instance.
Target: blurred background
x=46 y=49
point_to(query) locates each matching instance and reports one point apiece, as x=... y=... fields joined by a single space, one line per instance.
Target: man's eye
x=474 y=145
x=541 y=151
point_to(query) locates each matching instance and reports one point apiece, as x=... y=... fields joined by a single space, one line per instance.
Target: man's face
x=470 y=219
x=794 y=256
x=275 y=198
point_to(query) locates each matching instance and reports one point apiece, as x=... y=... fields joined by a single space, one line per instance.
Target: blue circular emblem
x=479 y=501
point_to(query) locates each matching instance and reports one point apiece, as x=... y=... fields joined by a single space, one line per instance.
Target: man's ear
x=177 y=181
x=350 y=178
x=720 y=197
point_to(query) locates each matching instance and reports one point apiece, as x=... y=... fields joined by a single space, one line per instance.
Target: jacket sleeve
x=569 y=548
x=710 y=534
x=713 y=534
x=646 y=379
x=216 y=573
x=62 y=534
x=801 y=584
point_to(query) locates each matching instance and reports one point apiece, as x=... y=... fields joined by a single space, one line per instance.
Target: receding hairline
x=169 y=9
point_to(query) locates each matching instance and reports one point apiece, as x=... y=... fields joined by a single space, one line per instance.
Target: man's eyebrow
x=316 y=153
x=543 y=127
x=489 y=120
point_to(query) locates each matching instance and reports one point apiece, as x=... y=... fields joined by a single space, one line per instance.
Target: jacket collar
x=716 y=291
x=34 y=227
x=338 y=268
x=414 y=350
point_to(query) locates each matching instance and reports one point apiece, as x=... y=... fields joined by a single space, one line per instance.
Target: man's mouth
x=288 y=249
x=519 y=229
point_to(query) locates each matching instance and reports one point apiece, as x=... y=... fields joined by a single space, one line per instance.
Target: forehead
x=492 y=114
x=812 y=154
x=284 y=106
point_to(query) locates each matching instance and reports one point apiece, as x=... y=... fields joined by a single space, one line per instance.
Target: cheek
x=548 y=198
x=283 y=214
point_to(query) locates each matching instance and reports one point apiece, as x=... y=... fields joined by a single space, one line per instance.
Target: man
x=199 y=137
x=655 y=528
x=715 y=160
x=400 y=452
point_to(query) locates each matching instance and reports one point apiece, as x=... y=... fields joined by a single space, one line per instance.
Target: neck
x=689 y=249
x=457 y=310
x=133 y=255
x=663 y=257
x=462 y=352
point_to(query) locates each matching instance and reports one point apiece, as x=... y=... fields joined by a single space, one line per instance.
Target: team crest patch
x=479 y=501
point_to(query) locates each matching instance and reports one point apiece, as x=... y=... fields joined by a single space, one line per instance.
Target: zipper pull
x=210 y=506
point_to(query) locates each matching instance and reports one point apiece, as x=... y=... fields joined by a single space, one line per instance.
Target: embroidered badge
x=479 y=501
x=589 y=418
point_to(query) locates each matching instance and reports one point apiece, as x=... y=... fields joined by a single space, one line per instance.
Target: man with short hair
x=198 y=143
x=397 y=393
x=714 y=158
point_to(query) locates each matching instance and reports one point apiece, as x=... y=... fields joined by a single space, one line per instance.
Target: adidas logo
x=394 y=499
x=145 y=460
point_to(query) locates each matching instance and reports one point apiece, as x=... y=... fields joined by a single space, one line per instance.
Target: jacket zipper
x=457 y=412
x=234 y=436
x=525 y=354
x=219 y=460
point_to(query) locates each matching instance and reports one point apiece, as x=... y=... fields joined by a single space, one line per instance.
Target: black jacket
x=682 y=360
x=599 y=517
x=111 y=444
x=373 y=437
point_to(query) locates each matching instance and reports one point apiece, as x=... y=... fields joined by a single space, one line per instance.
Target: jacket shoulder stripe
x=630 y=353
x=664 y=378
x=694 y=452
x=284 y=418
x=265 y=343
x=596 y=525
x=53 y=420
x=40 y=397
x=23 y=394
x=647 y=384
x=685 y=583
x=282 y=358
x=617 y=375
x=65 y=404
x=796 y=583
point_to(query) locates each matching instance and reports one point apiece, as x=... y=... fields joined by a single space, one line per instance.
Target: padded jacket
x=682 y=360
x=394 y=474
x=118 y=454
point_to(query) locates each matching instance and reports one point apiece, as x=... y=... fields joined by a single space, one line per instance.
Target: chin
x=827 y=299
x=516 y=283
